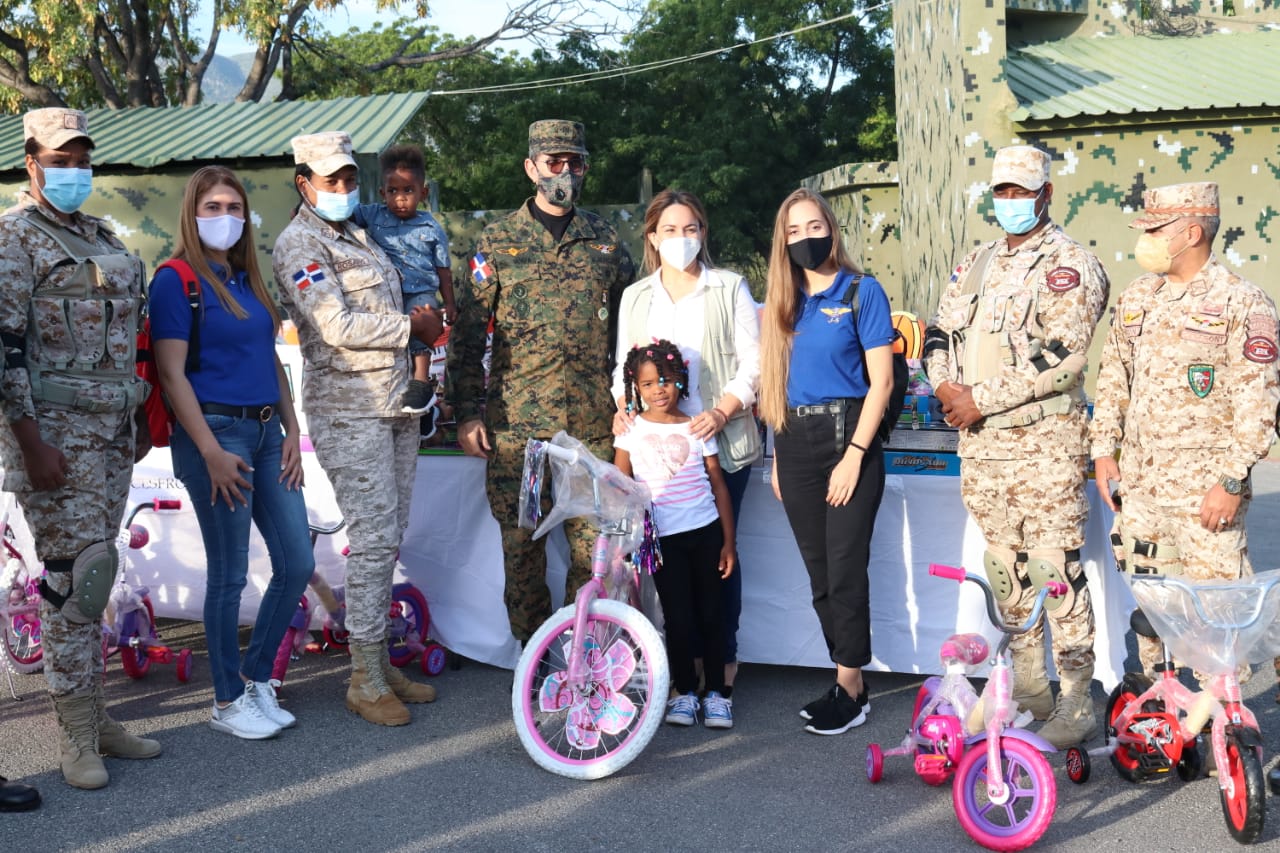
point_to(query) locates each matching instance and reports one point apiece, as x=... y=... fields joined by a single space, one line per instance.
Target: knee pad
x=1045 y=565
x=93 y=573
x=999 y=564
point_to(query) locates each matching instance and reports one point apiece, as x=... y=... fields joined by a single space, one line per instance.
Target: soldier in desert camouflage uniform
x=70 y=299
x=551 y=275
x=1187 y=390
x=1005 y=354
x=343 y=294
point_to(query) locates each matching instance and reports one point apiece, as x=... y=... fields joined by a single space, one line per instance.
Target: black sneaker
x=420 y=397
x=841 y=713
x=808 y=711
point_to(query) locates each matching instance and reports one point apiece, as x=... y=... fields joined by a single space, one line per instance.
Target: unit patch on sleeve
x=1062 y=279
x=1260 y=349
x=480 y=269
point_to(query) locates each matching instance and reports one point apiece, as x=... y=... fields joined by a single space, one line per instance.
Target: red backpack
x=160 y=417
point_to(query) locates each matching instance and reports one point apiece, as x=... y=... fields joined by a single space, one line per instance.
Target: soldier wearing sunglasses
x=550 y=275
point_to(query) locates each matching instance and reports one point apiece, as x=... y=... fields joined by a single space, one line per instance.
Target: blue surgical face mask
x=335 y=207
x=66 y=189
x=1016 y=215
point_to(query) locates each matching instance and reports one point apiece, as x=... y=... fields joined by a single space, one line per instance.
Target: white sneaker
x=265 y=693
x=243 y=718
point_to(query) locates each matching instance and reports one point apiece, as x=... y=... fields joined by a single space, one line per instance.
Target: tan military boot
x=400 y=684
x=369 y=695
x=112 y=737
x=82 y=767
x=1072 y=721
x=1031 y=689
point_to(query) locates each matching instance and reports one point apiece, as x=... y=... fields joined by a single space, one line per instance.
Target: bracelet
x=721 y=413
x=859 y=446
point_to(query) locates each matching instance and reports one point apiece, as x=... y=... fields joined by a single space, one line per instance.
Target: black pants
x=835 y=542
x=689 y=588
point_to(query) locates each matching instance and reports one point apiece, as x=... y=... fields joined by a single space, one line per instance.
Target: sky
x=458 y=17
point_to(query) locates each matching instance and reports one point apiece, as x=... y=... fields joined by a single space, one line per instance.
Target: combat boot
x=369 y=694
x=1031 y=691
x=400 y=684
x=112 y=737
x=82 y=767
x=1072 y=721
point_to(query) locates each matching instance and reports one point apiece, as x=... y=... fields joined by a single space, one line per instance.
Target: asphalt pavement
x=457 y=777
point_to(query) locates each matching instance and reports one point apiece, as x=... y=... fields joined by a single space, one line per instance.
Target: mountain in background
x=225 y=77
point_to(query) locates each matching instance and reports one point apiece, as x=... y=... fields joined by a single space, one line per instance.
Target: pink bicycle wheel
x=1018 y=822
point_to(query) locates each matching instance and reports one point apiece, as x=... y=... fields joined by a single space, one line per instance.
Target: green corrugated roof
x=152 y=136
x=1145 y=74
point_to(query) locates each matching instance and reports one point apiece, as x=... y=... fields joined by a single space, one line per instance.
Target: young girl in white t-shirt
x=694 y=519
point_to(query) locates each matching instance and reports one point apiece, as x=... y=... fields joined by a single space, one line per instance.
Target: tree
x=128 y=53
x=740 y=128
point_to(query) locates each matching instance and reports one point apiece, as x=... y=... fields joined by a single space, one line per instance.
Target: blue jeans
x=281 y=517
x=427 y=298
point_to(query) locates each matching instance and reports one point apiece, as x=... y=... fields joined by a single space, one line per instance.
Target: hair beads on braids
x=663 y=355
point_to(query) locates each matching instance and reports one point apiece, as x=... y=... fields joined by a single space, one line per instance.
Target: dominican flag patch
x=480 y=269
x=307 y=276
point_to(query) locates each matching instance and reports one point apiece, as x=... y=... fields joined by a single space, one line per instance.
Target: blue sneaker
x=683 y=710
x=717 y=711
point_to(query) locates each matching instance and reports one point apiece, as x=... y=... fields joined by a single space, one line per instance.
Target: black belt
x=835 y=407
x=262 y=414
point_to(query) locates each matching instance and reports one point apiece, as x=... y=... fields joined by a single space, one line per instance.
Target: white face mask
x=679 y=252
x=219 y=232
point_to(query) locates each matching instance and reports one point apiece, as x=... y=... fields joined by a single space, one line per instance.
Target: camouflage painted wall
x=142 y=208
x=953 y=113
x=865 y=200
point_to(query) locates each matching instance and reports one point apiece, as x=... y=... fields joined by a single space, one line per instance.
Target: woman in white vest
x=710 y=315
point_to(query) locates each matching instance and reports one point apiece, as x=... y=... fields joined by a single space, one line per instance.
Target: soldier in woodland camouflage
x=1005 y=355
x=343 y=294
x=70 y=299
x=1187 y=391
x=551 y=275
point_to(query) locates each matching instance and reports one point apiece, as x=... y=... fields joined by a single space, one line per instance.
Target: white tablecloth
x=452 y=551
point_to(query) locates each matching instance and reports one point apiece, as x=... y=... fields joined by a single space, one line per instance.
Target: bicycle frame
x=997 y=696
x=604 y=560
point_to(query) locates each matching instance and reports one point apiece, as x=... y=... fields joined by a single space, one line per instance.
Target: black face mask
x=811 y=252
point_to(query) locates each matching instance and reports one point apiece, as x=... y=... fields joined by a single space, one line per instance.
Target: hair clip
x=680 y=385
x=670 y=357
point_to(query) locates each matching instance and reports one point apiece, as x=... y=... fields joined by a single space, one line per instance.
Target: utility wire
x=639 y=68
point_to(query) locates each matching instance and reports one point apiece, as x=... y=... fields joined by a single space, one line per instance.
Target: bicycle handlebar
x=564 y=454
x=1056 y=589
x=1193 y=593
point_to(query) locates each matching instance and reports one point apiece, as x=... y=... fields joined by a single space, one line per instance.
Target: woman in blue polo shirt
x=824 y=384
x=236 y=444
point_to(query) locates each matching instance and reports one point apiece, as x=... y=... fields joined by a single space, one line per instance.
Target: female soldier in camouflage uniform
x=72 y=295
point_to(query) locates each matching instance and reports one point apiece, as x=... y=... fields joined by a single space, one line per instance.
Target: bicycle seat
x=1141 y=625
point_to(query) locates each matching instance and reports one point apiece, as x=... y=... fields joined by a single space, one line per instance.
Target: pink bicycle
x=1003 y=788
x=19 y=609
x=591 y=685
x=129 y=624
x=1155 y=727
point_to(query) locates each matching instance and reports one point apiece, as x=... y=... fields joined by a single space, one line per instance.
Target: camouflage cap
x=1023 y=165
x=1163 y=205
x=325 y=153
x=54 y=127
x=557 y=136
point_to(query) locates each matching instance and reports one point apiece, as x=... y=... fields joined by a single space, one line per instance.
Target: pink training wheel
x=184 y=666
x=875 y=763
x=434 y=658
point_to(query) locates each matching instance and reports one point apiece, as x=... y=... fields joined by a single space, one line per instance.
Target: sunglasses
x=555 y=165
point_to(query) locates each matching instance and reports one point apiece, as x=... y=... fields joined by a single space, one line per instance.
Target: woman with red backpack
x=236 y=445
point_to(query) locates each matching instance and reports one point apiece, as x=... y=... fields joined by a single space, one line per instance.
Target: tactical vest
x=82 y=324
x=986 y=350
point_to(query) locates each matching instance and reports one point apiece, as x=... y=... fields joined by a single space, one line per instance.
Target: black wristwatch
x=1231 y=485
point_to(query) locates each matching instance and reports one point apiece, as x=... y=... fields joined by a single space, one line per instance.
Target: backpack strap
x=191 y=283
